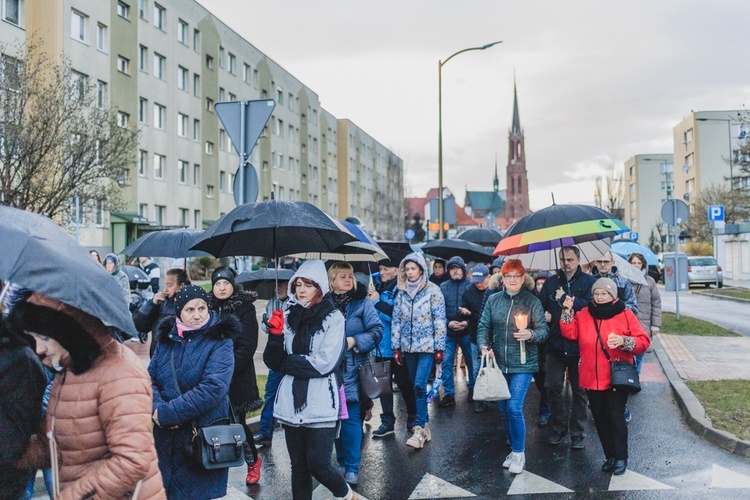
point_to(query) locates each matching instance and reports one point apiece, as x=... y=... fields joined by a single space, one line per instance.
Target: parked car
x=704 y=271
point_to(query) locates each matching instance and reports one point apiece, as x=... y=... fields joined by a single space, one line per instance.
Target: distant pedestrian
x=457 y=333
x=471 y=308
x=95 y=255
x=112 y=264
x=540 y=377
x=649 y=301
x=153 y=273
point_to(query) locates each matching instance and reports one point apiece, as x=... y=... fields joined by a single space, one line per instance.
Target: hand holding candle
x=522 y=321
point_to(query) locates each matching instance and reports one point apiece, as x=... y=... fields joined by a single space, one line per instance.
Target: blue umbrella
x=624 y=248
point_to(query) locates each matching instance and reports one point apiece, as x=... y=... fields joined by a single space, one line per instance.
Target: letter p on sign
x=716 y=213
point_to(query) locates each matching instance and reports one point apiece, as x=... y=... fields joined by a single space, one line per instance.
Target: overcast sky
x=598 y=81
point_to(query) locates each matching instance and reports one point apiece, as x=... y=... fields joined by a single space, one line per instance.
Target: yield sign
x=244 y=120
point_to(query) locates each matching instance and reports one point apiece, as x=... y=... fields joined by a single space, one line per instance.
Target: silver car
x=704 y=271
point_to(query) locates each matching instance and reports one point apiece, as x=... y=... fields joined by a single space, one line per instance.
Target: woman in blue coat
x=190 y=375
x=363 y=332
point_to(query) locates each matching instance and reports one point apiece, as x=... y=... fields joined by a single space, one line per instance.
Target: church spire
x=516 y=129
x=496 y=179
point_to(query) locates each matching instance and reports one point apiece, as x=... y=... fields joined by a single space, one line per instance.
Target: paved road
x=729 y=314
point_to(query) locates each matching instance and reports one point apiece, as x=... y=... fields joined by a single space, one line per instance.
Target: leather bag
x=219 y=445
x=375 y=378
x=623 y=374
x=491 y=384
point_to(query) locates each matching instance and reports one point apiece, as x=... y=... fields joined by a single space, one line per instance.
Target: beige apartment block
x=163 y=65
x=648 y=184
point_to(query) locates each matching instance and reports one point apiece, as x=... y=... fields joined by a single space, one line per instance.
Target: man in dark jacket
x=458 y=329
x=563 y=354
x=153 y=311
x=471 y=307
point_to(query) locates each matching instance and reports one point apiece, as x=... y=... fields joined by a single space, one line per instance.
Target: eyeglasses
x=601 y=294
x=603 y=261
x=513 y=276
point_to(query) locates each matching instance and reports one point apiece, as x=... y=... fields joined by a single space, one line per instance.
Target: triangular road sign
x=433 y=487
x=257 y=114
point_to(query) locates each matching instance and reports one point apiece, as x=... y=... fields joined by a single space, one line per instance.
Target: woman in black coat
x=227 y=298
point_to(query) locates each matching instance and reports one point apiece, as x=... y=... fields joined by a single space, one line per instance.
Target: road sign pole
x=241 y=170
x=677 y=262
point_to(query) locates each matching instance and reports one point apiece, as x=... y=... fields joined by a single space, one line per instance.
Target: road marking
x=235 y=494
x=634 y=481
x=433 y=487
x=725 y=478
x=651 y=372
x=323 y=493
x=527 y=483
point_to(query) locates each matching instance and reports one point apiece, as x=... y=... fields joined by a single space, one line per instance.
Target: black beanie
x=223 y=273
x=186 y=294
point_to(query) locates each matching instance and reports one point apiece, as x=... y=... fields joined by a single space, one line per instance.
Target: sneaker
x=253 y=471
x=481 y=407
x=262 y=440
x=508 y=460
x=517 y=463
x=543 y=420
x=576 y=442
x=447 y=400
x=556 y=437
x=628 y=416
x=383 y=431
x=418 y=439
x=351 y=478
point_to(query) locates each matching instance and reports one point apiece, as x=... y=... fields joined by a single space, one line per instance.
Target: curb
x=693 y=411
x=720 y=297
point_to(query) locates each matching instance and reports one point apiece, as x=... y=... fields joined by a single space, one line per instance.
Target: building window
x=78 y=22
x=143 y=210
x=159 y=64
x=123 y=65
x=101 y=94
x=182 y=32
x=159 y=165
x=101 y=37
x=196 y=40
x=123 y=119
x=143 y=58
x=196 y=175
x=222 y=139
x=280 y=96
x=182 y=125
x=209 y=62
x=221 y=94
x=182 y=171
x=123 y=10
x=230 y=186
x=142 y=163
x=222 y=181
x=182 y=78
x=142 y=9
x=221 y=56
x=12 y=11
x=209 y=104
x=290 y=98
x=160 y=214
x=196 y=129
x=197 y=221
x=160 y=17
x=232 y=62
x=160 y=115
x=100 y=213
x=142 y=110
x=255 y=78
x=232 y=97
x=209 y=148
x=246 y=73
x=209 y=191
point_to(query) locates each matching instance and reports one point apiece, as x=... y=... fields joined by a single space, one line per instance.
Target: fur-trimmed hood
x=227 y=327
x=233 y=302
x=495 y=282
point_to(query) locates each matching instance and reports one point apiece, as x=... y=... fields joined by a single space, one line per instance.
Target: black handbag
x=623 y=374
x=375 y=378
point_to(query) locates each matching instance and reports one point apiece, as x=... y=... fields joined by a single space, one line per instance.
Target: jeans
x=47 y=474
x=608 y=409
x=511 y=410
x=555 y=381
x=310 y=453
x=450 y=353
x=266 y=416
x=349 y=442
x=404 y=383
x=639 y=362
x=419 y=365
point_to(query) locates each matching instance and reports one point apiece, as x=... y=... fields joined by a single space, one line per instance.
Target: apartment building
x=163 y=65
x=648 y=184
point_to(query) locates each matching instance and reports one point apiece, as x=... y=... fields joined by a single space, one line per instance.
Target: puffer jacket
x=594 y=369
x=362 y=324
x=649 y=304
x=384 y=306
x=497 y=326
x=418 y=324
x=190 y=376
x=452 y=291
x=624 y=288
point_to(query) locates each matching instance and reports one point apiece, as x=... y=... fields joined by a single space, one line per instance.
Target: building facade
x=163 y=65
x=648 y=184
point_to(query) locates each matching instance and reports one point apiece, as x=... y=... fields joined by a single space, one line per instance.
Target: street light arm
x=483 y=47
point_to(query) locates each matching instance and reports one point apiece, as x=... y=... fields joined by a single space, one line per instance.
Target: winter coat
x=149 y=314
x=318 y=367
x=649 y=304
x=495 y=285
x=452 y=291
x=624 y=288
x=243 y=391
x=384 y=307
x=579 y=286
x=418 y=324
x=120 y=276
x=363 y=324
x=472 y=299
x=594 y=368
x=151 y=269
x=190 y=376
x=497 y=326
x=22 y=385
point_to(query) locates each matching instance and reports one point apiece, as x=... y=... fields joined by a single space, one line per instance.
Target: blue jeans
x=511 y=410
x=419 y=365
x=639 y=362
x=47 y=474
x=450 y=353
x=349 y=442
x=266 y=416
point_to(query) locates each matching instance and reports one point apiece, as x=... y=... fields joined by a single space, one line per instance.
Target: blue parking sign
x=716 y=213
x=634 y=236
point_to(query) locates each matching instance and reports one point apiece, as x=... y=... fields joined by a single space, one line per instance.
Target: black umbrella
x=273 y=229
x=173 y=243
x=445 y=249
x=263 y=282
x=38 y=255
x=482 y=236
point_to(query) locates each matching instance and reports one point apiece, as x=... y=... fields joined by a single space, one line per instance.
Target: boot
x=253 y=472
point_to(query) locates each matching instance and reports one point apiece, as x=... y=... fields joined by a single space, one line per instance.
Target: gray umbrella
x=628 y=270
x=38 y=255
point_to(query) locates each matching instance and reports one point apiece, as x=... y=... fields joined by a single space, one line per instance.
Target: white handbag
x=490 y=384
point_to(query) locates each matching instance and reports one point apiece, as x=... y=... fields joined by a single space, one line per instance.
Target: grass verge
x=727 y=404
x=262 y=389
x=739 y=293
x=692 y=326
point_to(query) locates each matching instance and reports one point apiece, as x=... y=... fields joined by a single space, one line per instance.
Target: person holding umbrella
x=227 y=298
x=418 y=334
x=307 y=343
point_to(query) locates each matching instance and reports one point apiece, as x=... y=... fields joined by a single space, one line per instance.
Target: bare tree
x=737 y=208
x=613 y=201
x=57 y=139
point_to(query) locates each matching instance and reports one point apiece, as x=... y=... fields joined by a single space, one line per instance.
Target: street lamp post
x=731 y=153
x=440 y=130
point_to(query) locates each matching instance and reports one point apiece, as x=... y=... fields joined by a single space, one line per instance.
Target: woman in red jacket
x=624 y=337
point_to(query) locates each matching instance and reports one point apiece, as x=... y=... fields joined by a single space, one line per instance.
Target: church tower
x=517 y=191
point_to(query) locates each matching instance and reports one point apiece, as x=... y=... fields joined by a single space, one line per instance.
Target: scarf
x=606 y=311
x=413 y=287
x=305 y=323
x=340 y=300
x=182 y=327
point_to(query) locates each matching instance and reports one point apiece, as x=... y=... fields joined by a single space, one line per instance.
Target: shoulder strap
x=601 y=342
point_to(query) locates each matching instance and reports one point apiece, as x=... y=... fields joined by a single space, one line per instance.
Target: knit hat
x=607 y=285
x=223 y=273
x=186 y=294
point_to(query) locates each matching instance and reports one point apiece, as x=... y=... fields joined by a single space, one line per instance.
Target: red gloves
x=275 y=323
x=438 y=356
x=398 y=357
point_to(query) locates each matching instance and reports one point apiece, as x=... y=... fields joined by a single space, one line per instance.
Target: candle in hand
x=522 y=321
